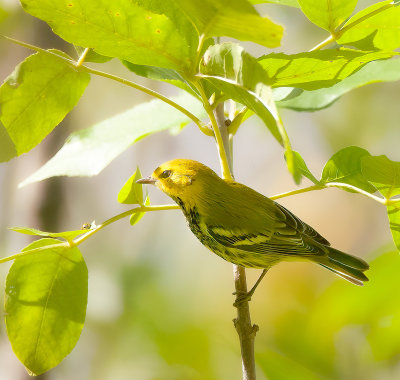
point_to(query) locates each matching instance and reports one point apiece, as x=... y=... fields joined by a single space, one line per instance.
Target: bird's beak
x=147 y=181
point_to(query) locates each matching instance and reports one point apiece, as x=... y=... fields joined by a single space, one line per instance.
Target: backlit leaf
x=380 y=31
x=316 y=69
x=45 y=304
x=132 y=192
x=34 y=99
x=327 y=14
x=118 y=28
x=87 y=152
x=345 y=167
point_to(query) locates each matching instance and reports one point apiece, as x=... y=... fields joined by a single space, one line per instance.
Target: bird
x=245 y=227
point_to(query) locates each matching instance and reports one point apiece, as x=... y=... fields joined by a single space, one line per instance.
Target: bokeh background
x=160 y=305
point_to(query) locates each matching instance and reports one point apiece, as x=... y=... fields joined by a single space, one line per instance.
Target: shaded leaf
x=327 y=14
x=380 y=31
x=45 y=305
x=345 y=167
x=158 y=73
x=120 y=28
x=132 y=192
x=87 y=152
x=383 y=173
x=393 y=212
x=67 y=235
x=316 y=69
x=35 y=98
x=232 y=18
x=378 y=71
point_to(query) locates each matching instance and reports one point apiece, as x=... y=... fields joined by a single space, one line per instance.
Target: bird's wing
x=297 y=224
x=284 y=241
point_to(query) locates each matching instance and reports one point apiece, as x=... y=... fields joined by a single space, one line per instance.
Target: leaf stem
x=226 y=173
x=324 y=43
x=146 y=90
x=298 y=191
x=338 y=33
x=345 y=28
x=78 y=65
x=124 y=214
x=82 y=57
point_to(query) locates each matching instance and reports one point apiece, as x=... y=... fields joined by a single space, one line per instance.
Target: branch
x=222 y=147
x=242 y=322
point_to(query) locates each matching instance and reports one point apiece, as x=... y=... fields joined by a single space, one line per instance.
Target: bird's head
x=181 y=178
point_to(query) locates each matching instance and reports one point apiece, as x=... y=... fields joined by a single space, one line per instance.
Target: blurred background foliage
x=160 y=305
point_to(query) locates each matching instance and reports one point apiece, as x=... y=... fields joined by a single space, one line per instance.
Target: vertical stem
x=242 y=322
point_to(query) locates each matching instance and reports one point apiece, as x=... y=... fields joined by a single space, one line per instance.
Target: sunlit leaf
x=87 y=152
x=137 y=216
x=289 y=3
x=345 y=167
x=68 y=235
x=316 y=69
x=380 y=31
x=119 y=28
x=378 y=71
x=232 y=18
x=302 y=168
x=241 y=78
x=328 y=14
x=45 y=305
x=132 y=192
x=34 y=99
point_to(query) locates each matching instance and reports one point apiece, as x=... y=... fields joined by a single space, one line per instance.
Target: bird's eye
x=166 y=174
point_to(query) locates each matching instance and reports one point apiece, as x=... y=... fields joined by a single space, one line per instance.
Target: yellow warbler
x=245 y=227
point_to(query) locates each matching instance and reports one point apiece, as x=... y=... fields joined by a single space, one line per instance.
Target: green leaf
x=35 y=98
x=67 y=235
x=380 y=31
x=393 y=212
x=159 y=73
x=119 y=28
x=132 y=192
x=328 y=14
x=383 y=173
x=135 y=217
x=316 y=69
x=228 y=67
x=378 y=71
x=345 y=167
x=87 y=152
x=241 y=78
x=45 y=305
x=289 y=3
x=232 y=18
x=302 y=168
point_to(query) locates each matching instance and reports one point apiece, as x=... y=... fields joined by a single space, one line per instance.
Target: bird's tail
x=349 y=267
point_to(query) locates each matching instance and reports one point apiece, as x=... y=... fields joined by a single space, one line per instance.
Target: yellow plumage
x=245 y=227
